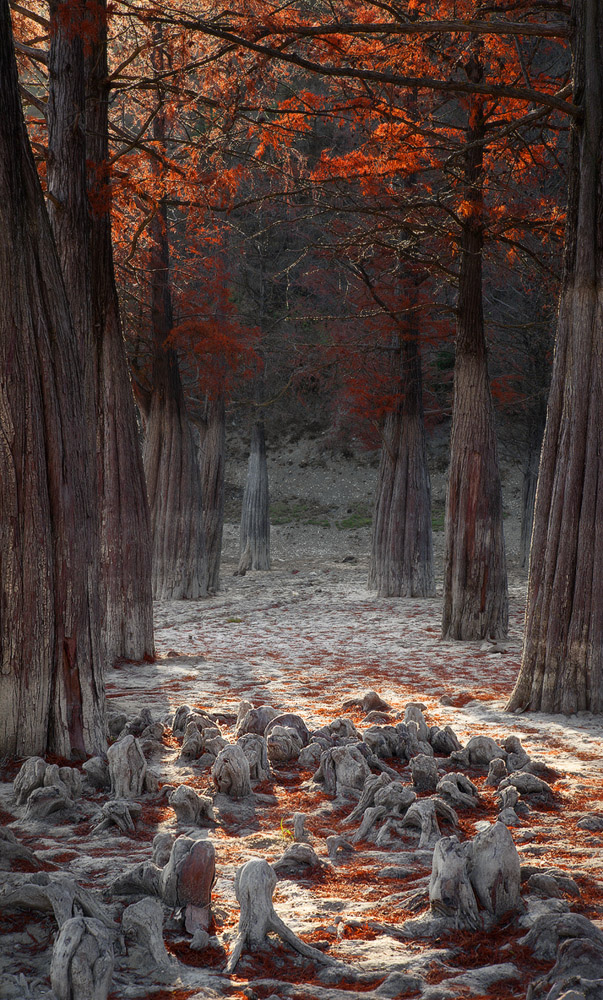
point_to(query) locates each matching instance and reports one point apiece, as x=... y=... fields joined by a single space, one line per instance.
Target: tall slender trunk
x=401 y=546
x=125 y=522
x=212 y=450
x=562 y=664
x=255 y=515
x=51 y=663
x=170 y=452
x=254 y=534
x=475 y=575
x=537 y=420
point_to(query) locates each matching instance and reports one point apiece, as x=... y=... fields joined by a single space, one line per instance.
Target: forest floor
x=305 y=638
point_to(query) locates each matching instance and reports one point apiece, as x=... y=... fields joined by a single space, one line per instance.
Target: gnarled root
x=82 y=960
x=254 y=885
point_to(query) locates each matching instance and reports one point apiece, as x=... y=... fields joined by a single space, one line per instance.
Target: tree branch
x=38 y=55
x=526 y=94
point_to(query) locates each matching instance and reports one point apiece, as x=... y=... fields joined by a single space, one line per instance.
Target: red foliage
x=11 y=767
x=18 y=922
x=474 y=949
x=213 y=958
x=160 y=995
x=63 y=857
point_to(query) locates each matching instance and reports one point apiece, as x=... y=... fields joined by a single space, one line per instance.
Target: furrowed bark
x=170 y=453
x=170 y=456
x=475 y=575
x=51 y=683
x=125 y=521
x=401 y=546
x=562 y=664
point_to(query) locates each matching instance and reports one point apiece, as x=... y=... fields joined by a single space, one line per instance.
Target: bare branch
x=526 y=94
x=38 y=55
x=30 y=14
x=516 y=28
x=33 y=100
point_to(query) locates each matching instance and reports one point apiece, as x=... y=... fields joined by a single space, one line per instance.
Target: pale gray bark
x=174 y=488
x=401 y=545
x=212 y=449
x=255 y=882
x=530 y=480
x=255 y=515
x=82 y=960
x=127 y=768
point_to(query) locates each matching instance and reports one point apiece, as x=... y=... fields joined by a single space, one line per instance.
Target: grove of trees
x=277 y=205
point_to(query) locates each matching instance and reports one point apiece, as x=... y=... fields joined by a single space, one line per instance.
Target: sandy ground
x=305 y=638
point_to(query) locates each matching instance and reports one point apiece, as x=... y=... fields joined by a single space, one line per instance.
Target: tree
x=254 y=540
x=348 y=46
x=125 y=521
x=51 y=681
x=78 y=179
x=475 y=572
x=401 y=546
x=170 y=456
x=562 y=663
x=213 y=449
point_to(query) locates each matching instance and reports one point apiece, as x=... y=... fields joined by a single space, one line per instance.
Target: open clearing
x=306 y=638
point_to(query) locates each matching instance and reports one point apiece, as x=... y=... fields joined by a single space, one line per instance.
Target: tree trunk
x=66 y=171
x=401 y=547
x=170 y=453
x=125 y=521
x=530 y=479
x=255 y=515
x=51 y=683
x=212 y=451
x=562 y=665
x=475 y=576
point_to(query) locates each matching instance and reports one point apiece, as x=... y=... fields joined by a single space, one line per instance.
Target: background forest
x=301 y=232
x=343 y=217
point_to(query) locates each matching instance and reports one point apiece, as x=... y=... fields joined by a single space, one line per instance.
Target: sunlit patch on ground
x=271 y=640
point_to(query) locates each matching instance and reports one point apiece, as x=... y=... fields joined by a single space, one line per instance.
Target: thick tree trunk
x=212 y=452
x=255 y=515
x=125 y=521
x=562 y=665
x=401 y=546
x=170 y=454
x=530 y=479
x=475 y=575
x=51 y=684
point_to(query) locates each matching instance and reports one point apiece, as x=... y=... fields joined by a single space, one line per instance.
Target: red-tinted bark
x=475 y=575
x=562 y=665
x=125 y=521
x=51 y=681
